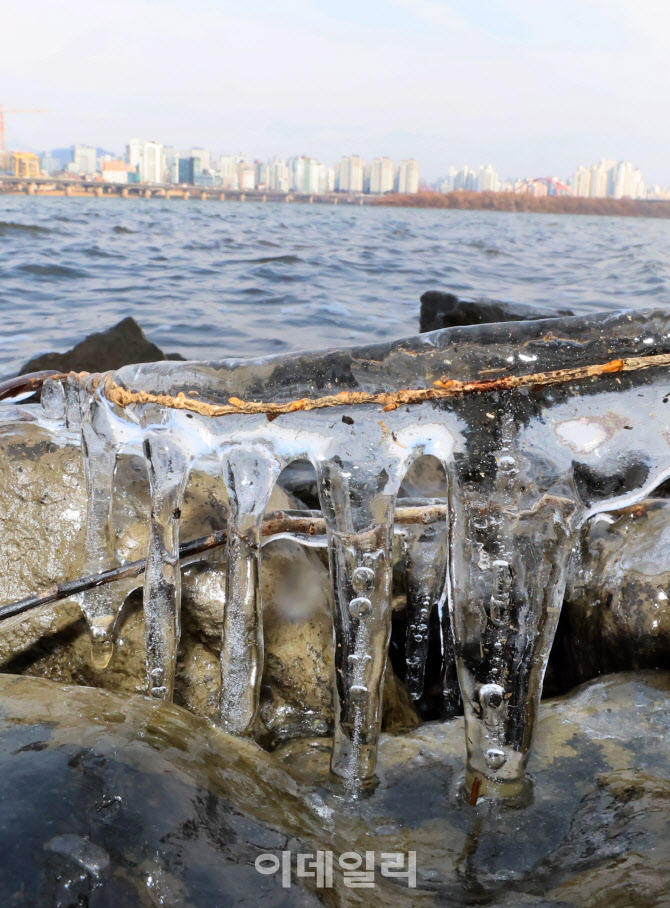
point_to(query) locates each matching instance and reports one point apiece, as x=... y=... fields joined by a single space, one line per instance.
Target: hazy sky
x=533 y=86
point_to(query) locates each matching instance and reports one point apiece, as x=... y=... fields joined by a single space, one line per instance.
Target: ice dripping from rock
x=525 y=468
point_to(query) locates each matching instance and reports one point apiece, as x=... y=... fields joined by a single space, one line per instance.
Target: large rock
x=445 y=310
x=108 y=800
x=121 y=345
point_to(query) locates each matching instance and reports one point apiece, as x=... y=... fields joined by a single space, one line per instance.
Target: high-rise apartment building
x=581 y=182
x=279 y=178
x=228 y=170
x=349 y=174
x=152 y=163
x=408 y=176
x=488 y=179
x=382 y=175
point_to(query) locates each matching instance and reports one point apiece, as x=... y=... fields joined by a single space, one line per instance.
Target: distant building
x=262 y=174
x=152 y=164
x=628 y=183
x=148 y=158
x=24 y=164
x=84 y=160
x=171 y=159
x=209 y=179
x=465 y=179
x=581 y=182
x=205 y=157
x=600 y=180
x=228 y=170
x=49 y=164
x=189 y=170
x=304 y=173
x=382 y=175
x=408 y=176
x=279 y=178
x=488 y=179
x=117 y=172
x=246 y=176
x=349 y=174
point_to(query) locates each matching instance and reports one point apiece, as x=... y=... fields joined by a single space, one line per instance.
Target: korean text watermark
x=358 y=870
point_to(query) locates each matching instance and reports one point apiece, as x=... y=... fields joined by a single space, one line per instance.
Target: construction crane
x=16 y=110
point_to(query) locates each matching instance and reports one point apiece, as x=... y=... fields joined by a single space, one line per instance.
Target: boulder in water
x=445 y=310
x=121 y=345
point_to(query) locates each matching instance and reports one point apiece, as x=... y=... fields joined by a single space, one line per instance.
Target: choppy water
x=210 y=279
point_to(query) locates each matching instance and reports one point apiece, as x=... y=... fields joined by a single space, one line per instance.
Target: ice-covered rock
x=43 y=505
x=616 y=615
x=539 y=426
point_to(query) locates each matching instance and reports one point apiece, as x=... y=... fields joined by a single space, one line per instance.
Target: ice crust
x=524 y=470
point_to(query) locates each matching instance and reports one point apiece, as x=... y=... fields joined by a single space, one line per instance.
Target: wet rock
x=122 y=344
x=595 y=826
x=616 y=614
x=123 y=800
x=445 y=310
x=106 y=800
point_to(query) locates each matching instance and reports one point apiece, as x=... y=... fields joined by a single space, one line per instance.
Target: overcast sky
x=532 y=86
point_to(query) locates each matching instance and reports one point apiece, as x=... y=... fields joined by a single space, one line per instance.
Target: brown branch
x=274 y=524
x=444 y=388
x=31 y=381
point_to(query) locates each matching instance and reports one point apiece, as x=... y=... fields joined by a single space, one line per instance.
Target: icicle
x=250 y=476
x=53 y=399
x=168 y=468
x=75 y=401
x=425 y=549
x=100 y=606
x=359 y=524
x=508 y=571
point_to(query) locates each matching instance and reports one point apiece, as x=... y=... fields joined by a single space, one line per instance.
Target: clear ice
x=524 y=470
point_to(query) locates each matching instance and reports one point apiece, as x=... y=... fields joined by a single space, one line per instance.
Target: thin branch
x=444 y=388
x=275 y=524
x=31 y=381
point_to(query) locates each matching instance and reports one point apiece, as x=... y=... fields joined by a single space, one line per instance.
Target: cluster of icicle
x=525 y=468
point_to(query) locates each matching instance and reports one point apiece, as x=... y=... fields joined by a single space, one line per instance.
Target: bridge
x=69 y=186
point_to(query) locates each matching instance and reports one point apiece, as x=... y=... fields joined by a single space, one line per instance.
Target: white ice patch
x=581 y=434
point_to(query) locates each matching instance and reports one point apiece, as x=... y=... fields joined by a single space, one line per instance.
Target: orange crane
x=4 y=111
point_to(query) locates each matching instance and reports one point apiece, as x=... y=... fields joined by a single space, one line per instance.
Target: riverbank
x=523 y=202
x=464 y=201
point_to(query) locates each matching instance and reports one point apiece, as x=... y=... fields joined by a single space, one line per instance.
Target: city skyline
x=534 y=87
x=153 y=162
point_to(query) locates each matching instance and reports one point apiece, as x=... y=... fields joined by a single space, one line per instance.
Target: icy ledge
x=527 y=461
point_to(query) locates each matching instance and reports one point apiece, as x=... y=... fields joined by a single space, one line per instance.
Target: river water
x=212 y=280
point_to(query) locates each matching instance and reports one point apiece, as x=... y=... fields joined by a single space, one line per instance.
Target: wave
x=12 y=227
x=276 y=260
x=50 y=270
